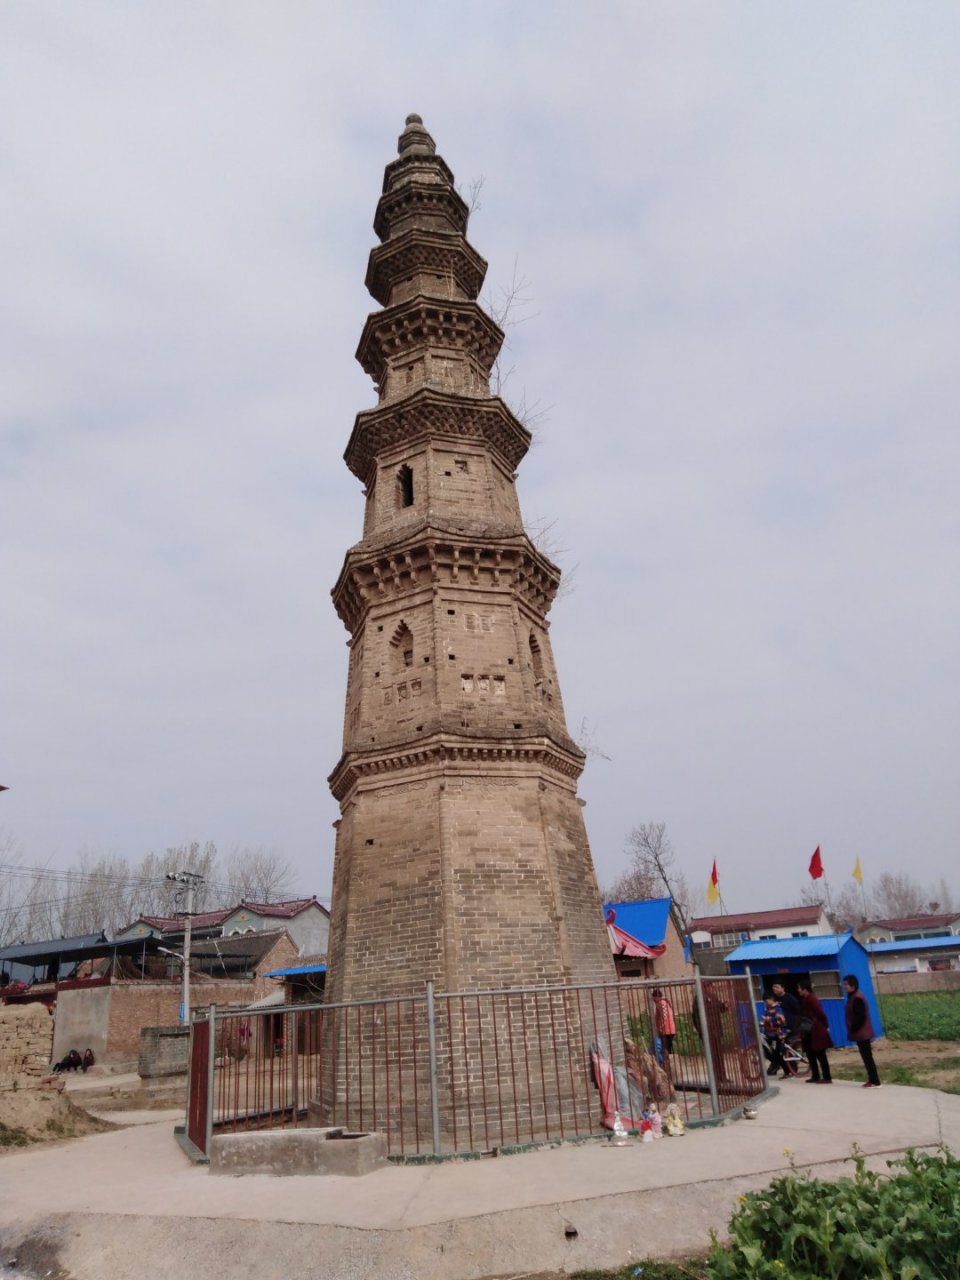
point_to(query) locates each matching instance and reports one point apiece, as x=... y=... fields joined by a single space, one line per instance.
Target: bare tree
x=653 y=870
x=891 y=896
x=257 y=874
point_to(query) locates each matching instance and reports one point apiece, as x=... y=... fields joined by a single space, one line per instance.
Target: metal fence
x=452 y=1073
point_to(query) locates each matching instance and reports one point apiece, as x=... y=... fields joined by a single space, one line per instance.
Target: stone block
x=297 y=1152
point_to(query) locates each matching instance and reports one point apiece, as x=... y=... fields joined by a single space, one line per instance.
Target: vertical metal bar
x=295 y=1067
x=556 y=1063
x=211 y=1063
x=756 y=1019
x=466 y=1072
x=416 y=1074
x=526 y=1061
x=513 y=1076
x=496 y=1060
x=483 y=1078
x=432 y=1050
x=707 y=1047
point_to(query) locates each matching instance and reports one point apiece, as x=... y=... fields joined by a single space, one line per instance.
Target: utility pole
x=190 y=881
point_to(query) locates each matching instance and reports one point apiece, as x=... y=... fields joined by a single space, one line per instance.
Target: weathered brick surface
x=26 y=1046
x=164 y=1051
x=461 y=853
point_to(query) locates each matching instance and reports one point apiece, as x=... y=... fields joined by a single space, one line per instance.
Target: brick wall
x=26 y=1046
x=164 y=1051
x=889 y=984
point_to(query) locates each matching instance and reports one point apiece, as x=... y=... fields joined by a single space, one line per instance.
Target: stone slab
x=297 y=1152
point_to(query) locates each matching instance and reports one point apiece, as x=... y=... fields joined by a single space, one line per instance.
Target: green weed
x=899 y=1227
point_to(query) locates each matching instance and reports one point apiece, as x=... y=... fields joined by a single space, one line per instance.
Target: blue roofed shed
x=645 y=939
x=823 y=961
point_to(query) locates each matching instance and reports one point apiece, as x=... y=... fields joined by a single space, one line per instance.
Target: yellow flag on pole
x=858 y=872
x=713 y=885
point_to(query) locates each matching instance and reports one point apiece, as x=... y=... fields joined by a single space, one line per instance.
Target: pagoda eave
x=449 y=754
x=433 y=411
x=421 y=322
x=431 y=555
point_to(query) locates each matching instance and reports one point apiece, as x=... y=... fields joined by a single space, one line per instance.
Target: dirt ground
x=42 y=1115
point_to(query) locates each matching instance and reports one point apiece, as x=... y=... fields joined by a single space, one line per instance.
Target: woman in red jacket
x=815 y=1034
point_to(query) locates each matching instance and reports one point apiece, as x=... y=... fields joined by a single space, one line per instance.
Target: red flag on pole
x=713 y=885
x=816 y=865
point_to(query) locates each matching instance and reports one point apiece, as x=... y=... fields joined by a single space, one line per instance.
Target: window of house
x=825 y=983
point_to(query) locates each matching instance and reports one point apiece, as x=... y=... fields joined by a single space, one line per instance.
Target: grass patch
x=891 y=1075
x=13 y=1137
x=927 y=1015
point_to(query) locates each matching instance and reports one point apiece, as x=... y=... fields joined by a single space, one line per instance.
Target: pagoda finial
x=415 y=141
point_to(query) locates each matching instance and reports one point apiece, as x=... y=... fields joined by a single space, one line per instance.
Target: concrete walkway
x=110 y=1203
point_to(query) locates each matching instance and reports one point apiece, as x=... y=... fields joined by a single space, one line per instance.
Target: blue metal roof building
x=645 y=921
x=824 y=961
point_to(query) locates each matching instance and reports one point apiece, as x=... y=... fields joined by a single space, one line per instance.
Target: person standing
x=860 y=1028
x=664 y=1021
x=815 y=1034
x=789 y=1007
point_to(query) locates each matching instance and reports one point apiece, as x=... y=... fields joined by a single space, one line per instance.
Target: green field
x=931 y=1015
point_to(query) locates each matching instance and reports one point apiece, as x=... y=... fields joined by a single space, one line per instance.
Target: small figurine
x=620 y=1136
x=656 y=1120
x=673 y=1124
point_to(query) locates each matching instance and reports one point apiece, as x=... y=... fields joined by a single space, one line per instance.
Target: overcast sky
x=741 y=226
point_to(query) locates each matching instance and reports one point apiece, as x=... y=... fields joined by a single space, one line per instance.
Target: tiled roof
x=747 y=920
x=281 y=910
x=174 y=924
x=913 y=922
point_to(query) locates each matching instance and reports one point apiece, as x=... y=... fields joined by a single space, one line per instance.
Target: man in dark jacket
x=789 y=1007
x=860 y=1028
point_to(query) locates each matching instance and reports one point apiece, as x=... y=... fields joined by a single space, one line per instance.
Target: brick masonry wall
x=470 y=882
x=889 y=984
x=164 y=1051
x=26 y=1046
x=110 y=1019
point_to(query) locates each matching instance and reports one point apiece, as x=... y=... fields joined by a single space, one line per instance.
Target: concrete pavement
x=104 y=1201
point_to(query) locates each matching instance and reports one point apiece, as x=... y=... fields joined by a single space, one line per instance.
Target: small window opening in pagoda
x=405 y=487
x=537 y=658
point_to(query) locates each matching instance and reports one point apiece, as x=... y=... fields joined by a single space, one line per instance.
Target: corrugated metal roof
x=297 y=969
x=914 y=944
x=646 y=921
x=791 y=948
x=52 y=947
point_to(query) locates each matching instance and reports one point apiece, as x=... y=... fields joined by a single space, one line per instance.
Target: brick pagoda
x=461 y=853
